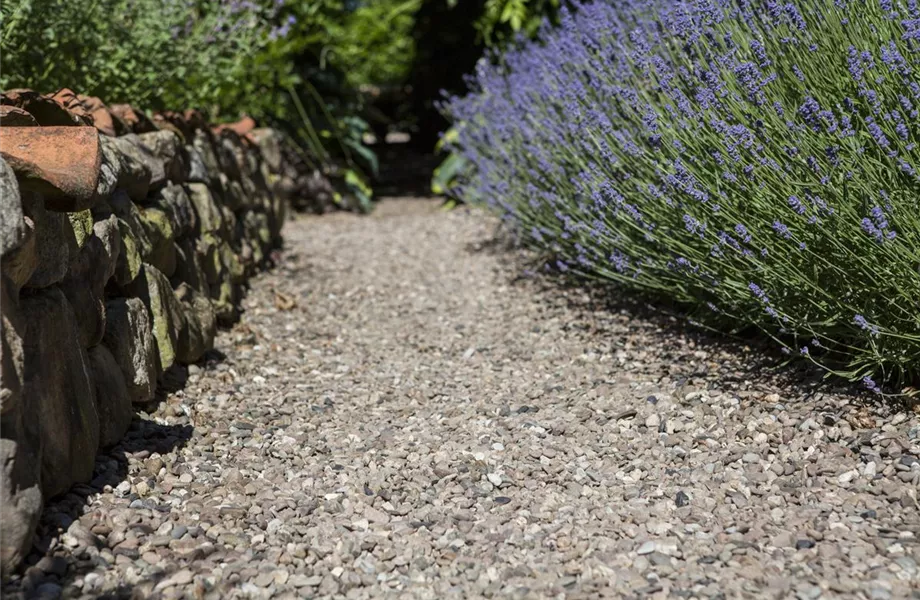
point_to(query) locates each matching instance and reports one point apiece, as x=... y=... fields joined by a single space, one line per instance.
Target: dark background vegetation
x=326 y=71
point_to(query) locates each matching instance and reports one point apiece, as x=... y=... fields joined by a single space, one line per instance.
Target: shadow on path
x=604 y=307
x=64 y=550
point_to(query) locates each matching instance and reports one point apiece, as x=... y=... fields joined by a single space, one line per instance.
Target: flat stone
x=61 y=163
x=132 y=146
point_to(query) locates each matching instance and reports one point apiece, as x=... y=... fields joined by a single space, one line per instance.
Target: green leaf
x=446 y=174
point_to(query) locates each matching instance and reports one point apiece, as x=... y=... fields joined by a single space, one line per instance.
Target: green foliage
x=452 y=169
x=290 y=64
x=760 y=165
x=159 y=54
x=373 y=44
x=502 y=19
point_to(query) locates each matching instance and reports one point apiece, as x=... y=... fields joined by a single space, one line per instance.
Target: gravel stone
x=354 y=445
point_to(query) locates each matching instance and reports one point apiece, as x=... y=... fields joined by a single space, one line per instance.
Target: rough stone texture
x=12 y=227
x=129 y=337
x=204 y=144
x=167 y=318
x=58 y=392
x=55 y=242
x=189 y=268
x=20 y=495
x=20 y=503
x=132 y=146
x=167 y=147
x=210 y=217
x=269 y=142
x=130 y=174
x=19 y=264
x=162 y=236
x=62 y=163
x=200 y=325
x=198 y=170
x=82 y=225
x=402 y=414
x=113 y=404
x=174 y=201
x=111 y=169
x=12 y=358
x=136 y=242
x=85 y=282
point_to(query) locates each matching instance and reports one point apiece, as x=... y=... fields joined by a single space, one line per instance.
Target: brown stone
x=61 y=163
x=10 y=116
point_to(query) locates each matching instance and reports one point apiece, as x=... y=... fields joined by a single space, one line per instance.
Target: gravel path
x=399 y=414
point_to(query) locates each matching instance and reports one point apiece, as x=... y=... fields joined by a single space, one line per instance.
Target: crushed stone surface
x=403 y=412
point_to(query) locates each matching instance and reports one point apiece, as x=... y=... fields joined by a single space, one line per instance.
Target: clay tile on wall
x=10 y=116
x=173 y=121
x=136 y=121
x=103 y=118
x=243 y=126
x=196 y=120
x=61 y=163
x=44 y=109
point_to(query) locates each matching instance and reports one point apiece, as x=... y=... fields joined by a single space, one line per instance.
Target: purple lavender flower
x=865 y=325
x=871 y=385
x=781 y=229
x=758 y=292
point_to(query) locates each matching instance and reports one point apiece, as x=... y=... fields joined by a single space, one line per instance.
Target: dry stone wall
x=125 y=241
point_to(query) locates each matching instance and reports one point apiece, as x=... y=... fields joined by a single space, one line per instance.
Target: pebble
x=345 y=448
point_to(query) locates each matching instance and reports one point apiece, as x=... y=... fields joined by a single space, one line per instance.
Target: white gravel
x=401 y=414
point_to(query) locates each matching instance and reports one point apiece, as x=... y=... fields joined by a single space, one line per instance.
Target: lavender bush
x=755 y=159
